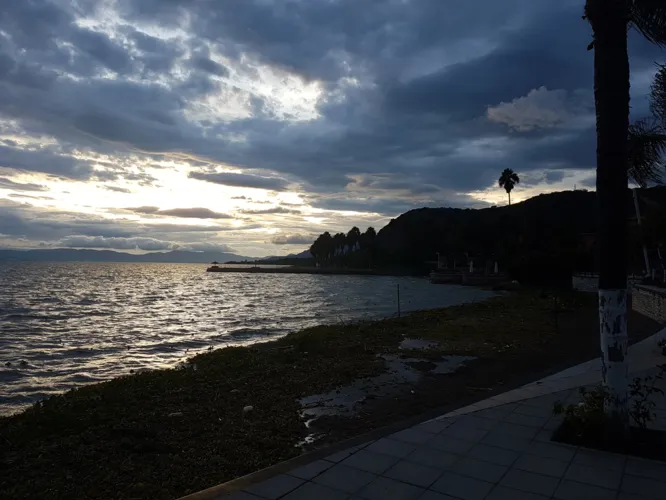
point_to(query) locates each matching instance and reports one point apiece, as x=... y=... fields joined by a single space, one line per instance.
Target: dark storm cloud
x=293 y=239
x=242 y=180
x=6 y=183
x=59 y=228
x=406 y=88
x=270 y=211
x=194 y=213
x=44 y=160
x=210 y=66
x=187 y=213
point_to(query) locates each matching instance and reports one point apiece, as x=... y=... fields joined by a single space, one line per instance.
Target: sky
x=252 y=126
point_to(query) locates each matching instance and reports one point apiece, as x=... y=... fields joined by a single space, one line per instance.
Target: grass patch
x=167 y=433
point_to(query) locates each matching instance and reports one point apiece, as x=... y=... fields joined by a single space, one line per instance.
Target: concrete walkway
x=497 y=449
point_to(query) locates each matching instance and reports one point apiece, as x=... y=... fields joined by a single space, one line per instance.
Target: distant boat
x=214 y=267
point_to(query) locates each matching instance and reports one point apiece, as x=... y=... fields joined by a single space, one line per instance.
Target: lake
x=63 y=325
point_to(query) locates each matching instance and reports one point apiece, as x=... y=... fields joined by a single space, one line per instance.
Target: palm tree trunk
x=509 y=193
x=611 y=94
x=640 y=231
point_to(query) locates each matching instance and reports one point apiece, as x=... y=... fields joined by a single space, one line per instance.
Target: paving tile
x=434 y=426
x=553 y=423
x=310 y=491
x=643 y=486
x=646 y=468
x=527 y=420
x=275 y=487
x=597 y=476
x=344 y=478
x=384 y=488
x=433 y=495
x=413 y=473
x=496 y=414
x=551 y=450
x=391 y=447
x=477 y=469
x=432 y=458
x=466 y=488
x=412 y=435
x=627 y=496
x=450 y=444
x=494 y=455
x=504 y=493
x=600 y=459
x=541 y=465
x=521 y=431
x=544 y=436
x=534 y=411
x=529 y=481
x=571 y=490
x=241 y=495
x=545 y=401
x=464 y=432
x=501 y=440
x=341 y=455
x=308 y=471
x=369 y=461
x=475 y=422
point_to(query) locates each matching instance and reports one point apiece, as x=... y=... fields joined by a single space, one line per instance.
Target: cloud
x=356 y=105
x=135 y=243
x=210 y=66
x=269 y=211
x=6 y=183
x=293 y=239
x=189 y=213
x=117 y=189
x=204 y=247
x=242 y=180
x=542 y=108
x=194 y=213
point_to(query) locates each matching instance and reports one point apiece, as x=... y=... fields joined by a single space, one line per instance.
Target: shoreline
x=168 y=433
x=312 y=270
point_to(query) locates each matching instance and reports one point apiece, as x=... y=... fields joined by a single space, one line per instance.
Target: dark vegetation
x=542 y=240
x=167 y=433
x=587 y=424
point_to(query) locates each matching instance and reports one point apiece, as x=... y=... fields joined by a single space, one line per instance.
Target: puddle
x=346 y=401
x=417 y=344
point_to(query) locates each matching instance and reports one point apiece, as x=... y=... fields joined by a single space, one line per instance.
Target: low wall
x=585 y=282
x=588 y=282
x=650 y=301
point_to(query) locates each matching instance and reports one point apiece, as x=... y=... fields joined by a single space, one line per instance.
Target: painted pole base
x=614 y=345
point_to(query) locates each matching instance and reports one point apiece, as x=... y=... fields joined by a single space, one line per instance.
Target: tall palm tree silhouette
x=508 y=181
x=610 y=21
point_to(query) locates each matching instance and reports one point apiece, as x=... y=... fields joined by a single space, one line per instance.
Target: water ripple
x=68 y=324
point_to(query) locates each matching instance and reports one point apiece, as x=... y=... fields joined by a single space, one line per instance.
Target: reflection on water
x=68 y=324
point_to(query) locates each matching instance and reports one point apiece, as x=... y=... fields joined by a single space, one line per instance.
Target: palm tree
x=353 y=238
x=610 y=20
x=508 y=181
x=658 y=95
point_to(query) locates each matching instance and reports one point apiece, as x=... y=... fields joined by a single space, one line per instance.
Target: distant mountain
x=540 y=239
x=72 y=255
x=305 y=254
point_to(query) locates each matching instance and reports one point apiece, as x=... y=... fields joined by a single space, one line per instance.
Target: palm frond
x=649 y=18
x=658 y=95
x=647 y=150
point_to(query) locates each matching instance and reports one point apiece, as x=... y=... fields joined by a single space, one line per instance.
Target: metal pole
x=398 y=300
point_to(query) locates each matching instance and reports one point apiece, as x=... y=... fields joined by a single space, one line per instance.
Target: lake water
x=67 y=324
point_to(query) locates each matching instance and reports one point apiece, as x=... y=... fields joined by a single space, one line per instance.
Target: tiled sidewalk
x=482 y=452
